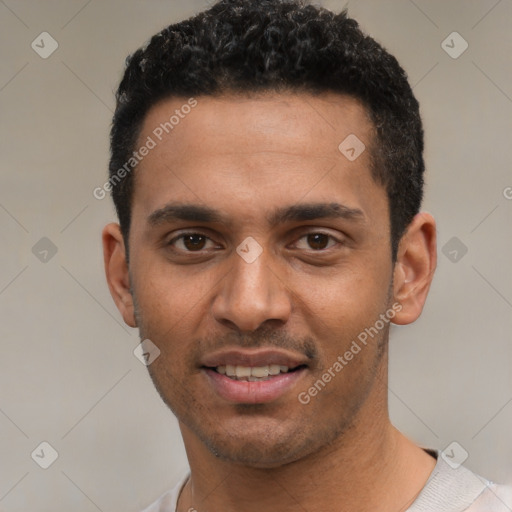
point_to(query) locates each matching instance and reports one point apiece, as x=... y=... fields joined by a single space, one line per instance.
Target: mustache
x=261 y=338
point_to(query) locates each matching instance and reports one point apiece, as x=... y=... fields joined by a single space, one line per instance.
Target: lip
x=257 y=392
x=254 y=357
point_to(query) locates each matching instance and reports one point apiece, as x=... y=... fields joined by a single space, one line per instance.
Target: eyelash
x=191 y=233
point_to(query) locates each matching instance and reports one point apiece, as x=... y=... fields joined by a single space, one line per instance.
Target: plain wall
x=68 y=375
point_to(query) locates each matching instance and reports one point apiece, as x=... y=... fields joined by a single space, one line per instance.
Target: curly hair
x=245 y=46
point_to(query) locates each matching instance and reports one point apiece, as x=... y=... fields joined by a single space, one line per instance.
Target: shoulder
x=167 y=502
x=495 y=498
x=454 y=488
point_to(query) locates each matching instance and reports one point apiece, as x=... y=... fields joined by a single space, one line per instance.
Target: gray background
x=68 y=375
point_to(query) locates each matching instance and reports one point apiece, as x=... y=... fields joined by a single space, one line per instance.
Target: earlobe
x=116 y=271
x=414 y=268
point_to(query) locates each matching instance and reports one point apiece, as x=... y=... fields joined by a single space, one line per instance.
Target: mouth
x=253 y=376
x=254 y=373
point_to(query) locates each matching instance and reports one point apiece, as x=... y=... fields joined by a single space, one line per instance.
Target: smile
x=245 y=386
x=251 y=373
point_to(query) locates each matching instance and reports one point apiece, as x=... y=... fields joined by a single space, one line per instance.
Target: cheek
x=347 y=298
x=171 y=307
x=168 y=292
x=340 y=314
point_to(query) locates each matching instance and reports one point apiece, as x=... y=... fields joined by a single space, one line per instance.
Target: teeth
x=274 y=369
x=243 y=371
x=260 y=371
x=251 y=373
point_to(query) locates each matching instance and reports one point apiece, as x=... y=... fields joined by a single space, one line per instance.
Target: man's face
x=262 y=164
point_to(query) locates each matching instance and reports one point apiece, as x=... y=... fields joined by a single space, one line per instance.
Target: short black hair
x=246 y=46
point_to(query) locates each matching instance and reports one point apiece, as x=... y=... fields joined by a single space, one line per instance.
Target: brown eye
x=190 y=242
x=194 y=242
x=318 y=241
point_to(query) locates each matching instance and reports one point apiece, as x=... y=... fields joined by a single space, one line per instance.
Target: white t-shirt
x=448 y=489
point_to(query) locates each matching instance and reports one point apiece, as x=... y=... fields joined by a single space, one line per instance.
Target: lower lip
x=258 y=392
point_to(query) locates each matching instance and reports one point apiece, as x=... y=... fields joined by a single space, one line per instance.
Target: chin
x=263 y=444
x=254 y=453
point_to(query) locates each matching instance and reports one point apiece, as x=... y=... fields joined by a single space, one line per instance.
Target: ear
x=116 y=270
x=414 y=267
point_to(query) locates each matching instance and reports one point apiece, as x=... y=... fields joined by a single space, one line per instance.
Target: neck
x=371 y=466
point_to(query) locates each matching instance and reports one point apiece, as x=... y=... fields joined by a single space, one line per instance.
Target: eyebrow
x=173 y=212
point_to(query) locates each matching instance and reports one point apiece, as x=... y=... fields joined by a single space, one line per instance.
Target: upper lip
x=255 y=357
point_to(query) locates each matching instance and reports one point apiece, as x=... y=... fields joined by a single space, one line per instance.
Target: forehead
x=235 y=151
x=262 y=121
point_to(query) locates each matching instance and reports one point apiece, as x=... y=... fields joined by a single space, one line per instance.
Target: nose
x=250 y=295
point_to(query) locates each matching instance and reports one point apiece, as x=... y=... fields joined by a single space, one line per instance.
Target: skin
x=246 y=156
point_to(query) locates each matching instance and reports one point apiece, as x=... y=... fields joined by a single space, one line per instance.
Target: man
x=267 y=172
